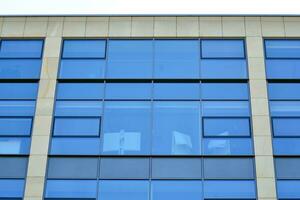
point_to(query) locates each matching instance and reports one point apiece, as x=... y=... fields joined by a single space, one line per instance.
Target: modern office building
x=149 y=108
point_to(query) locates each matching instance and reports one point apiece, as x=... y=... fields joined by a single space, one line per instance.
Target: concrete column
x=262 y=136
x=43 y=118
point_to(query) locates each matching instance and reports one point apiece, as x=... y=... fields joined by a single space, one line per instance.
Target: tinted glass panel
x=228 y=168
x=13 y=167
x=287 y=168
x=176 y=128
x=130 y=59
x=77 y=127
x=229 y=189
x=78 y=91
x=282 y=48
x=222 y=48
x=285 y=108
x=84 y=49
x=20 y=68
x=11 y=188
x=18 y=90
x=14 y=145
x=286 y=126
x=288 y=189
x=17 y=108
x=286 y=146
x=71 y=189
x=281 y=69
x=176 y=190
x=224 y=69
x=283 y=91
x=225 y=108
x=176 y=91
x=21 y=48
x=127 y=127
x=85 y=68
x=128 y=90
x=73 y=168
x=75 y=146
x=125 y=190
x=124 y=168
x=176 y=168
x=176 y=59
x=224 y=127
x=15 y=126
x=78 y=108
x=238 y=91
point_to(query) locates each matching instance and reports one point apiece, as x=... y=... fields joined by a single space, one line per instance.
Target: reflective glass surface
x=21 y=48
x=78 y=108
x=20 y=68
x=15 y=126
x=11 y=188
x=285 y=108
x=225 y=108
x=128 y=91
x=17 y=108
x=283 y=69
x=282 y=48
x=286 y=127
x=222 y=48
x=18 y=90
x=230 y=91
x=176 y=91
x=91 y=91
x=84 y=49
x=284 y=91
x=14 y=145
x=289 y=189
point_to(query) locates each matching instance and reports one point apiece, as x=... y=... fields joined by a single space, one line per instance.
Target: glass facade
x=284 y=102
x=20 y=63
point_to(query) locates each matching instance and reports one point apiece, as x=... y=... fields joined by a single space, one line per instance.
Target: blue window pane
x=15 y=126
x=126 y=128
x=14 y=145
x=288 y=189
x=222 y=49
x=78 y=108
x=130 y=59
x=286 y=146
x=230 y=146
x=176 y=59
x=224 y=69
x=176 y=190
x=20 y=68
x=233 y=91
x=283 y=69
x=77 y=127
x=125 y=190
x=176 y=128
x=18 y=90
x=13 y=167
x=75 y=146
x=226 y=127
x=282 y=48
x=281 y=91
x=71 y=189
x=17 y=108
x=285 y=108
x=128 y=91
x=21 y=48
x=91 y=91
x=84 y=49
x=177 y=91
x=286 y=126
x=85 y=68
x=225 y=108
x=11 y=188
x=229 y=189
x=287 y=168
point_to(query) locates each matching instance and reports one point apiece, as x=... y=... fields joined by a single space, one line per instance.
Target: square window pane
x=286 y=127
x=282 y=48
x=125 y=190
x=222 y=91
x=78 y=91
x=176 y=59
x=176 y=190
x=226 y=127
x=15 y=126
x=71 y=189
x=126 y=128
x=78 y=108
x=176 y=128
x=21 y=48
x=222 y=48
x=84 y=127
x=81 y=69
x=84 y=49
x=130 y=59
x=128 y=91
x=18 y=90
x=14 y=145
x=177 y=91
x=11 y=188
x=13 y=167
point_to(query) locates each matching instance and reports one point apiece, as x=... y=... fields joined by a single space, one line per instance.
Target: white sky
x=149 y=7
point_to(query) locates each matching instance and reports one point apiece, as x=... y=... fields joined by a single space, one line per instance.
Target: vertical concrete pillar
x=262 y=136
x=42 y=121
